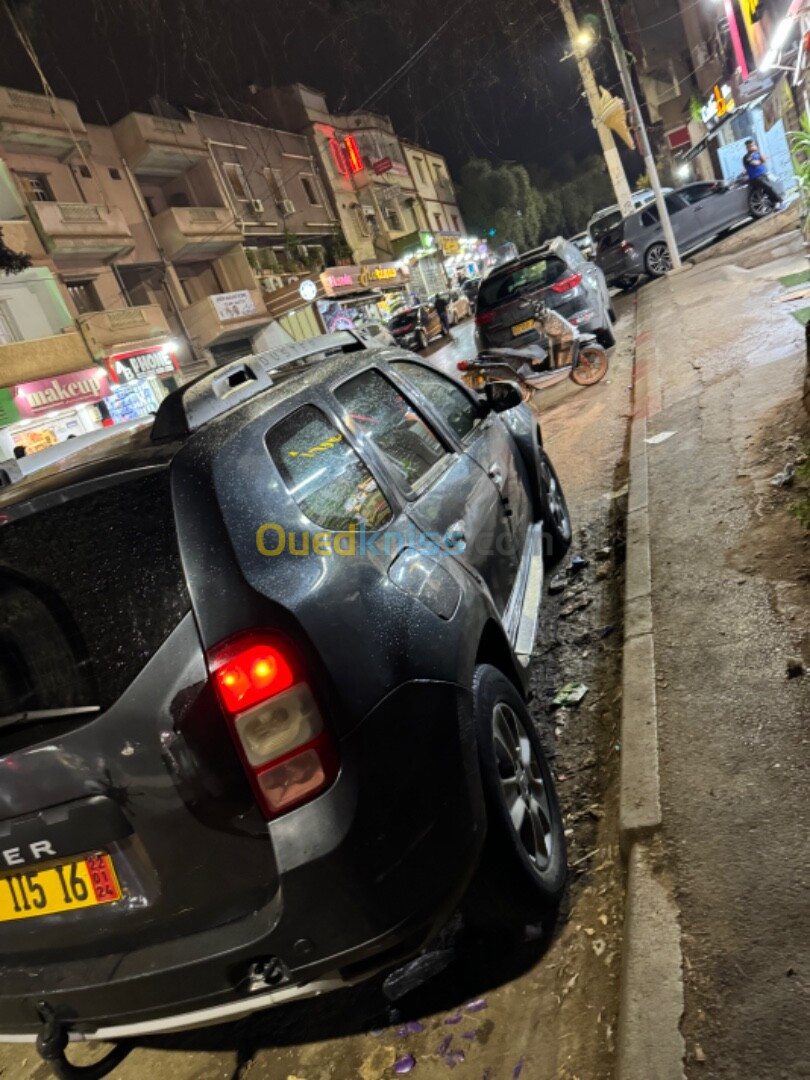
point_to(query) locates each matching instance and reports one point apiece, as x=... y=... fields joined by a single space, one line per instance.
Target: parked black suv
x=262 y=691
x=557 y=273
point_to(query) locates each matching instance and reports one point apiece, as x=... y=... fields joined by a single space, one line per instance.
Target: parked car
x=458 y=307
x=234 y=773
x=470 y=288
x=584 y=243
x=376 y=334
x=698 y=212
x=413 y=328
x=559 y=274
x=604 y=220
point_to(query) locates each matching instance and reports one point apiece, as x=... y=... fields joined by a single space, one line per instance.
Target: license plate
x=522 y=327
x=83 y=883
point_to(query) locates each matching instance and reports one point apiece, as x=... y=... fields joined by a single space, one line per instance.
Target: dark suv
x=557 y=273
x=262 y=691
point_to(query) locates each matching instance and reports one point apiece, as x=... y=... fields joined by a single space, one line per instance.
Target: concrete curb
x=649 y=1041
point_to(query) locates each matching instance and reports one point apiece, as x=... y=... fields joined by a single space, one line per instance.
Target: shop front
x=357 y=295
x=423 y=257
x=39 y=414
x=139 y=381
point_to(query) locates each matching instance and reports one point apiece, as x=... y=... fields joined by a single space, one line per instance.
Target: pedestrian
x=757 y=172
x=440 y=303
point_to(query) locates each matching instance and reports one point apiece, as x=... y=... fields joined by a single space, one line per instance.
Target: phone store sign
x=143 y=364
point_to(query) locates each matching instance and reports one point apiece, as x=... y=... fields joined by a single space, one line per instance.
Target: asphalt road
x=542 y=1016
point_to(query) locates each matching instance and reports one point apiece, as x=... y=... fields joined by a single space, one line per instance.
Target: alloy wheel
x=658 y=260
x=554 y=501
x=759 y=203
x=523 y=788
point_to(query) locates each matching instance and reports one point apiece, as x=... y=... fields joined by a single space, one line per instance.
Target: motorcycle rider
x=757 y=172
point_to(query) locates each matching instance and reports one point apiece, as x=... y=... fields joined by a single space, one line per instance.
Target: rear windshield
x=89 y=590
x=406 y=318
x=611 y=237
x=502 y=287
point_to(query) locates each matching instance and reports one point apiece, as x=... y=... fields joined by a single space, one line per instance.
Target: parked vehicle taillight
x=274 y=720
x=566 y=284
x=463 y=365
x=484 y=318
x=626 y=247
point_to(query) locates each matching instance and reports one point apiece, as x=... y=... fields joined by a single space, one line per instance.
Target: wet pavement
x=547 y=1012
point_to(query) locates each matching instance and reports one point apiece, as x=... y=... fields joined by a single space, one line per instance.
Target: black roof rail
x=215 y=392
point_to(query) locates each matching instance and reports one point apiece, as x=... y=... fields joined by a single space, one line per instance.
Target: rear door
x=716 y=206
x=450 y=498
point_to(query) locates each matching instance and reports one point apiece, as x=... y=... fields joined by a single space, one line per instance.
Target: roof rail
x=216 y=392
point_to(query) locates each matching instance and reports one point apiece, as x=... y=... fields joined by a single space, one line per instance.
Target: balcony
x=33 y=124
x=39 y=358
x=196 y=232
x=226 y=316
x=81 y=229
x=123 y=328
x=158 y=145
x=21 y=236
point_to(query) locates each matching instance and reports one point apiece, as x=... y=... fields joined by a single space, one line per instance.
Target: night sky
x=489 y=84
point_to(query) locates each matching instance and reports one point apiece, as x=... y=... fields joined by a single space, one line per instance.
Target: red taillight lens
x=463 y=365
x=484 y=318
x=566 y=284
x=626 y=247
x=274 y=720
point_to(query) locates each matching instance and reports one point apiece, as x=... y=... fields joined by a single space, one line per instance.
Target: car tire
x=552 y=511
x=657 y=260
x=759 y=204
x=628 y=282
x=606 y=337
x=522 y=874
x=612 y=314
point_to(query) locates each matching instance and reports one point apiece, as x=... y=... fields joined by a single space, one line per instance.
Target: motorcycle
x=564 y=348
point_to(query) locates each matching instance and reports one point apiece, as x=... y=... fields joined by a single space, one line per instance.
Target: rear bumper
x=368 y=872
x=631 y=265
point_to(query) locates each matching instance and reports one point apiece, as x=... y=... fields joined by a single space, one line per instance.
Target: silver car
x=699 y=212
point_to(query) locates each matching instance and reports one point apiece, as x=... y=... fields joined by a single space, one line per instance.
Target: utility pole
x=612 y=159
x=638 y=121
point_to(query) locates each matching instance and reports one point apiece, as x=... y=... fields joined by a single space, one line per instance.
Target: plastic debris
x=444 y=1045
x=662 y=436
x=476 y=1006
x=785 y=477
x=556 y=584
x=405 y=1065
x=700 y=1057
x=570 y=694
x=598 y=946
x=518 y=1069
x=413 y=1027
x=454 y=1019
x=470 y=1035
x=603 y=553
x=579 y=562
x=455 y=1057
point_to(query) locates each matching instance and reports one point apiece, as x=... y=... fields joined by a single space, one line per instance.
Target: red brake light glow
x=566 y=284
x=251 y=675
x=463 y=365
x=484 y=318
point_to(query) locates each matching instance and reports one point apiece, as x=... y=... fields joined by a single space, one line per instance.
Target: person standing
x=440 y=303
x=757 y=172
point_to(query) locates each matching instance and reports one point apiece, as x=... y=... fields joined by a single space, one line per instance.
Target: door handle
x=496 y=475
x=455 y=538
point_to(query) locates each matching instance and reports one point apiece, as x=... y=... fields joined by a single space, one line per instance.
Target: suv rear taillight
x=626 y=247
x=274 y=720
x=567 y=283
x=484 y=318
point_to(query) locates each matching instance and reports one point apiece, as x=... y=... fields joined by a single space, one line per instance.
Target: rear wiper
x=36 y=716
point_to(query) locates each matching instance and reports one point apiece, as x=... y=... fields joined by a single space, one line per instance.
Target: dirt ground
x=539 y=1015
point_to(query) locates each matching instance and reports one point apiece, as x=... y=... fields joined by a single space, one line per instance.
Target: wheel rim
x=591 y=366
x=554 y=499
x=760 y=203
x=522 y=785
x=658 y=260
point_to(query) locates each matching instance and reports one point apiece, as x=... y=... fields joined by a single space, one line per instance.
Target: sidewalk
x=730 y=571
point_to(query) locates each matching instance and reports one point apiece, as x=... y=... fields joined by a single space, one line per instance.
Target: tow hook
x=53 y=1040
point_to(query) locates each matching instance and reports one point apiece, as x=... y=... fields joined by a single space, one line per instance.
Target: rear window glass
x=89 y=590
x=405 y=318
x=611 y=238
x=323 y=473
x=501 y=288
x=377 y=408
x=604 y=224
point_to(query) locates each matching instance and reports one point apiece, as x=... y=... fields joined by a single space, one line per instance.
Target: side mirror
x=502 y=396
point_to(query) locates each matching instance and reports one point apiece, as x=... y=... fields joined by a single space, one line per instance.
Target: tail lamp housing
x=567 y=284
x=484 y=318
x=274 y=720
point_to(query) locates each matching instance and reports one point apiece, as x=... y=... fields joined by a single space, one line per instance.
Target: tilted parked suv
x=560 y=275
x=262 y=691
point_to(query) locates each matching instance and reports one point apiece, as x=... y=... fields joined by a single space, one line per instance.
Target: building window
x=36 y=187
x=84 y=170
x=275 y=183
x=308 y=184
x=115 y=174
x=8 y=329
x=438 y=218
x=421 y=170
x=84 y=296
x=150 y=204
x=456 y=225
x=393 y=219
x=236 y=179
x=437 y=169
x=362 y=221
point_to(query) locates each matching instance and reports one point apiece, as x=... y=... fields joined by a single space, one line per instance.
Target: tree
x=501 y=197
x=12 y=262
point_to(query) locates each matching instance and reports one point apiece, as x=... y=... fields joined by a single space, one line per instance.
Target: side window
x=650 y=217
x=697 y=192
x=379 y=410
x=674 y=204
x=454 y=405
x=323 y=473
